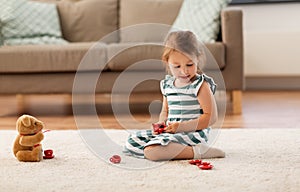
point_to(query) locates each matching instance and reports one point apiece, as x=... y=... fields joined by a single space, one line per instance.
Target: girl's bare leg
x=171 y=151
x=179 y=151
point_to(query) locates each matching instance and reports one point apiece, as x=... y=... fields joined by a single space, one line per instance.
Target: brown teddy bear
x=27 y=145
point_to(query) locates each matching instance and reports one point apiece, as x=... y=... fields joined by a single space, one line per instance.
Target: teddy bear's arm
x=30 y=140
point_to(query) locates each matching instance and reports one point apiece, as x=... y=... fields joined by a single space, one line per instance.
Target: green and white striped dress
x=183 y=105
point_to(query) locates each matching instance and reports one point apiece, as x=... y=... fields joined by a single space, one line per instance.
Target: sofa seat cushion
x=147 y=56
x=51 y=58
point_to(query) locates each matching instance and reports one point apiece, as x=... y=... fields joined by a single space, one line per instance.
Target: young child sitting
x=188 y=109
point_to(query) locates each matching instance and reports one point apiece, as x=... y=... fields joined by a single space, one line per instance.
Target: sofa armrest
x=232 y=37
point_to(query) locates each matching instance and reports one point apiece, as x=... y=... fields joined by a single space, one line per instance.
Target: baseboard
x=273 y=83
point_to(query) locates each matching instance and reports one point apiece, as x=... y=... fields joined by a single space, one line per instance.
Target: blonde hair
x=185 y=42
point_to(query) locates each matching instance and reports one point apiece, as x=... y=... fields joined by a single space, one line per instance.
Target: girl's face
x=182 y=67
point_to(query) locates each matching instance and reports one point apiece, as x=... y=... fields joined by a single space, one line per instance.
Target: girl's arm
x=210 y=115
x=163 y=116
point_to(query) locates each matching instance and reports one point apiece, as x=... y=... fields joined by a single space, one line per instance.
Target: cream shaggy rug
x=257 y=160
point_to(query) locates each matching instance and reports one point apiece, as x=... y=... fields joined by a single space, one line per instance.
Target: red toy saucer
x=205 y=166
x=48 y=157
x=115 y=159
x=201 y=164
x=195 y=161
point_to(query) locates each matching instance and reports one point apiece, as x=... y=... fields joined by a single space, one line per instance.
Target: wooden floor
x=276 y=109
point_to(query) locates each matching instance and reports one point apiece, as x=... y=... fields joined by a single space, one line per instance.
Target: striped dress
x=183 y=105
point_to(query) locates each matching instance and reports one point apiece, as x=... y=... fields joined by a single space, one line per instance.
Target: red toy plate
x=205 y=167
x=115 y=159
x=195 y=161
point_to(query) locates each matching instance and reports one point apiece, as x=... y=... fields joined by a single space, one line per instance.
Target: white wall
x=271 y=39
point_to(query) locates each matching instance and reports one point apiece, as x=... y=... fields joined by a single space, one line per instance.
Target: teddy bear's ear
x=26 y=121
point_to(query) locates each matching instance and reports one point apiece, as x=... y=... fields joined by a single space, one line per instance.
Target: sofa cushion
x=27 y=22
x=51 y=58
x=124 y=55
x=133 y=12
x=215 y=57
x=147 y=56
x=201 y=17
x=89 y=20
x=34 y=40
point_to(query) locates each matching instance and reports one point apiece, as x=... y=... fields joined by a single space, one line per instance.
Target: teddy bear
x=27 y=146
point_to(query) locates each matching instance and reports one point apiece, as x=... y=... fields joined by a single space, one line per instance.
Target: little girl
x=188 y=107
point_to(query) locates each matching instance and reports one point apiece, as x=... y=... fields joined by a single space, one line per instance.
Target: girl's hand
x=158 y=128
x=172 y=128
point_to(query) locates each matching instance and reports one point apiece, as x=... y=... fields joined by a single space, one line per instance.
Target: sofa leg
x=236 y=98
x=21 y=104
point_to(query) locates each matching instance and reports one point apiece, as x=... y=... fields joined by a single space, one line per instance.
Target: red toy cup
x=205 y=163
x=48 y=152
x=158 y=127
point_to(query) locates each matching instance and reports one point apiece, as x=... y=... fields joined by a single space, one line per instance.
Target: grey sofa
x=43 y=69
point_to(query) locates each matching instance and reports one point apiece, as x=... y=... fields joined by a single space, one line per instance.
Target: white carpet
x=257 y=160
